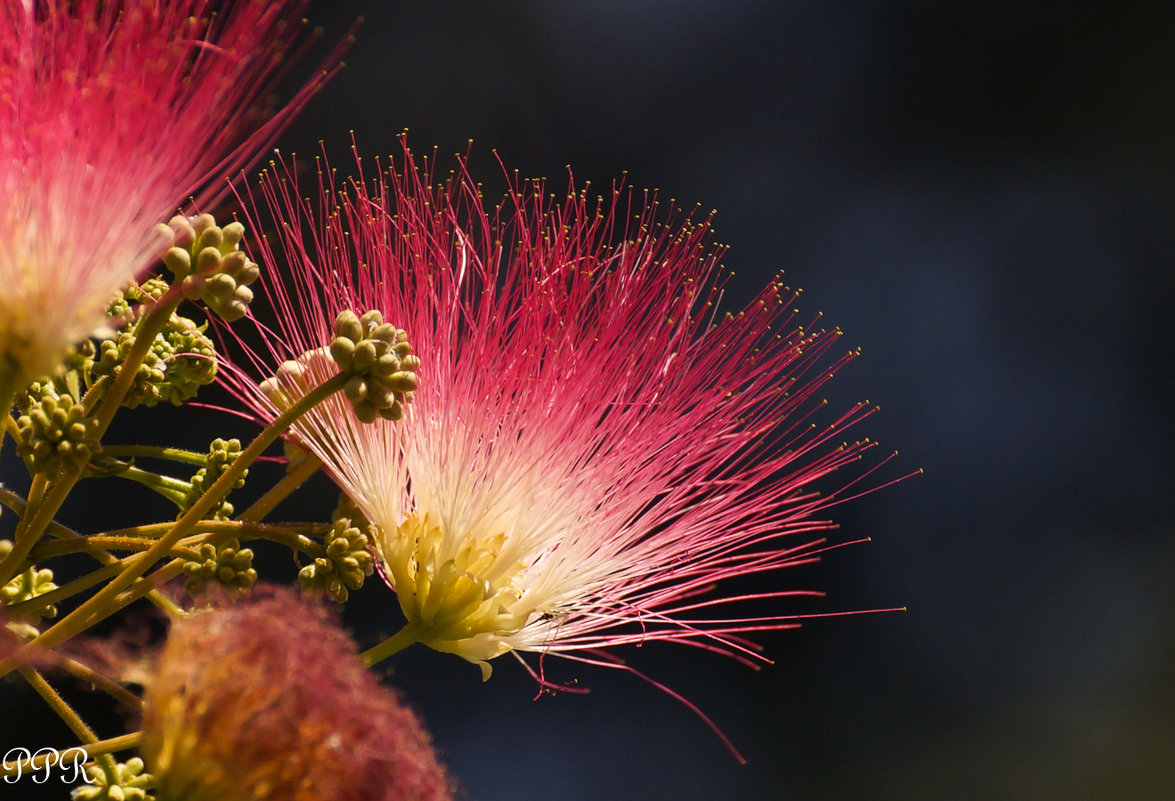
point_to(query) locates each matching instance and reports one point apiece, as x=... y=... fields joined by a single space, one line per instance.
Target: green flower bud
x=378 y=357
x=203 y=249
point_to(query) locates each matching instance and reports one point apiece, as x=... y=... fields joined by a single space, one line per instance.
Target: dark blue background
x=980 y=194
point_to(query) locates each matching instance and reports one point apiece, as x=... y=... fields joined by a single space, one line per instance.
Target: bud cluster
x=57 y=435
x=221 y=454
x=380 y=361
x=347 y=561
x=207 y=261
x=228 y=565
x=149 y=374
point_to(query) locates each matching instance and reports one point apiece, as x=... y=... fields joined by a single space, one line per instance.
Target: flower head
x=111 y=115
x=267 y=700
x=593 y=447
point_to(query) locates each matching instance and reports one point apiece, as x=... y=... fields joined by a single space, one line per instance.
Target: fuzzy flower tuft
x=594 y=449
x=266 y=701
x=111 y=115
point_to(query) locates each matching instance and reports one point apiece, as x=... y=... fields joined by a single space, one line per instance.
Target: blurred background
x=979 y=194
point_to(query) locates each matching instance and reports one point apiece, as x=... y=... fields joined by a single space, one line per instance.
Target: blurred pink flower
x=112 y=114
x=594 y=448
x=266 y=700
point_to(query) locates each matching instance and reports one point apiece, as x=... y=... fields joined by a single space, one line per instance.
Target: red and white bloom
x=594 y=447
x=112 y=114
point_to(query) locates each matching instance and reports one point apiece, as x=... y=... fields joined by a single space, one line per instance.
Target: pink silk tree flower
x=112 y=114
x=594 y=448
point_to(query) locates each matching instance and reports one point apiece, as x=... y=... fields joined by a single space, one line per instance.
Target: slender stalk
x=155 y=452
x=174 y=489
x=406 y=636
x=149 y=325
x=218 y=528
x=150 y=583
x=66 y=712
x=17 y=504
x=103 y=603
x=136 y=541
x=166 y=573
x=9 y=425
x=103 y=683
x=8 y=388
x=80 y=584
x=282 y=489
x=59 y=705
x=95 y=543
x=10 y=564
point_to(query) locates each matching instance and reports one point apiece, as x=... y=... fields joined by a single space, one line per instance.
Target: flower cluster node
x=56 y=435
x=221 y=454
x=228 y=565
x=380 y=361
x=28 y=585
x=207 y=261
x=347 y=561
x=131 y=783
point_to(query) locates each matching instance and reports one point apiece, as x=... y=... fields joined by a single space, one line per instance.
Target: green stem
x=81 y=584
x=64 y=711
x=139 y=539
x=241 y=529
x=59 y=705
x=287 y=537
x=106 y=685
x=282 y=489
x=173 y=489
x=406 y=636
x=155 y=452
x=75 y=543
x=17 y=504
x=11 y=564
x=10 y=427
x=98 y=542
x=148 y=327
x=8 y=388
x=104 y=603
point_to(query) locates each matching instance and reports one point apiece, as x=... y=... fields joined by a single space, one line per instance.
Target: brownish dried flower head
x=267 y=700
